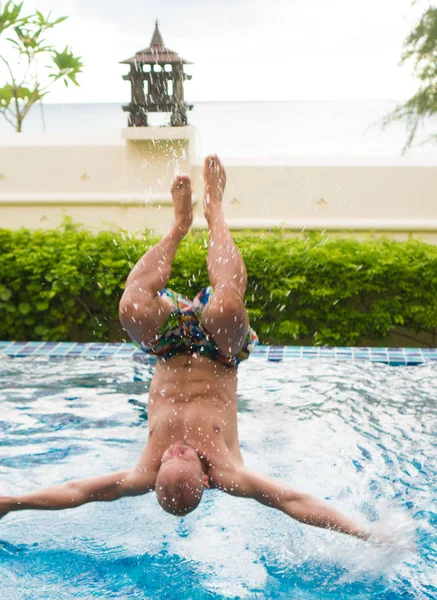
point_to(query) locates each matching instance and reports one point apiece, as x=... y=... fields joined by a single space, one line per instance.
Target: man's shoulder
x=224 y=474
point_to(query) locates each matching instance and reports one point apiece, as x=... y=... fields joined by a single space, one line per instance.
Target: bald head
x=181 y=480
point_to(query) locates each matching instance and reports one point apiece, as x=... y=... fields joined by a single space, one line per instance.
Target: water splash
x=362 y=437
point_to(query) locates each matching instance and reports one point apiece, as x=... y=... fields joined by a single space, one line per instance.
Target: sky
x=243 y=49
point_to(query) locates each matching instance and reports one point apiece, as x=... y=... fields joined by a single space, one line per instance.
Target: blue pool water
x=362 y=436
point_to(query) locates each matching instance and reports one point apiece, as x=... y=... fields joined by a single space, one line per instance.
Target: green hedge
x=65 y=284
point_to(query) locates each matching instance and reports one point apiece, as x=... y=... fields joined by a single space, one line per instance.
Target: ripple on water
x=362 y=436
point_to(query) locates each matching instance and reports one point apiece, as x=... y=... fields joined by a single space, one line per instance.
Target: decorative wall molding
x=126 y=199
x=413 y=225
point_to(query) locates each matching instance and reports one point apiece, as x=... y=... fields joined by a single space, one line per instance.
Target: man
x=193 y=436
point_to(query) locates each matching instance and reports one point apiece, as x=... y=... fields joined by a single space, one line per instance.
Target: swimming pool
x=362 y=436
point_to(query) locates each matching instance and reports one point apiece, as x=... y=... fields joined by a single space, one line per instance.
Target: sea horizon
x=252 y=129
x=321 y=100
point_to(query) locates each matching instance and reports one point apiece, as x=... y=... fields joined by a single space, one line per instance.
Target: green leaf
x=8 y=93
x=14 y=42
x=41 y=306
x=5 y=293
x=28 y=38
x=420 y=48
x=336 y=292
x=24 y=308
x=10 y=15
x=66 y=61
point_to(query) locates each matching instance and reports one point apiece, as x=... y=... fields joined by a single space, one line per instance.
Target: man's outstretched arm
x=300 y=506
x=132 y=482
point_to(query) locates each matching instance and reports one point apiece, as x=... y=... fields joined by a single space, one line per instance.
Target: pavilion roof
x=155 y=53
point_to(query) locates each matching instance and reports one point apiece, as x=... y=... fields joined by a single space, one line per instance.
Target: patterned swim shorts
x=183 y=333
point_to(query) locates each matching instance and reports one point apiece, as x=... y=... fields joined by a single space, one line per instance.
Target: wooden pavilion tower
x=157 y=80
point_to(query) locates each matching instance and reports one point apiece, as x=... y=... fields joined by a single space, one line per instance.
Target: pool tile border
x=390 y=356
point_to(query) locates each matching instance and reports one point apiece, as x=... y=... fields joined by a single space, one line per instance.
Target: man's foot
x=214 y=175
x=182 y=203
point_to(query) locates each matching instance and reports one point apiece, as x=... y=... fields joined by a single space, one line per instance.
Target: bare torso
x=194 y=399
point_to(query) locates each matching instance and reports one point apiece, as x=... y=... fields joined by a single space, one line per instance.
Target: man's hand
x=239 y=481
x=132 y=482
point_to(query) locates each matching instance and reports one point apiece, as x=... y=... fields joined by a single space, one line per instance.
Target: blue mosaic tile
x=28 y=350
x=394 y=363
x=390 y=356
x=275 y=353
x=16 y=348
x=62 y=348
x=45 y=350
x=110 y=348
x=75 y=349
x=144 y=358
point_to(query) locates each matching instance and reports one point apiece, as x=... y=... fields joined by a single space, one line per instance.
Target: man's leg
x=224 y=317
x=142 y=311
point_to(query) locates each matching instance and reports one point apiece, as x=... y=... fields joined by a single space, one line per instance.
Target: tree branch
x=50 y=83
x=30 y=103
x=6 y=108
x=86 y=308
x=26 y=73
x=3 y=112
x=9 y=69
x=14 y=84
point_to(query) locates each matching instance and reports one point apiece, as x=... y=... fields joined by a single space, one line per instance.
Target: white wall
x=109 y=183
